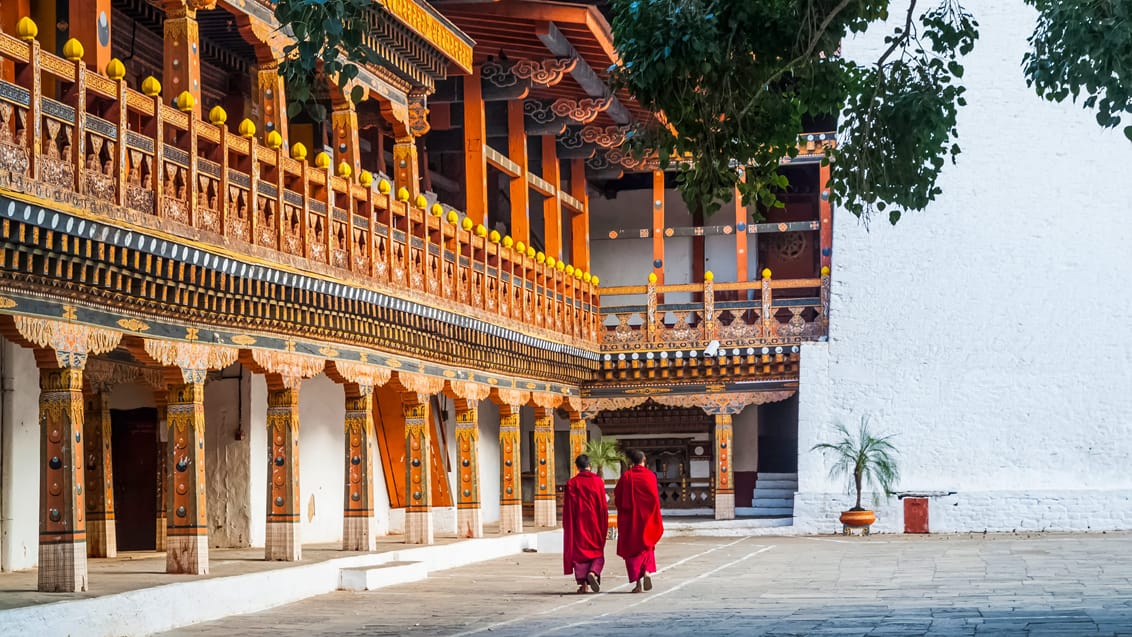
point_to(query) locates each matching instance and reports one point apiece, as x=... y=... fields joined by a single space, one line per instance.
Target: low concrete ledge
x=164 y=607
x=371 y=578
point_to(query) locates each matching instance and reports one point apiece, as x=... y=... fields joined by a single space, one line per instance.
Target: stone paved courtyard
x=1050 y=585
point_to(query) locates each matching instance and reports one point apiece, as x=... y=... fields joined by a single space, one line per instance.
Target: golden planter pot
x=858 y=519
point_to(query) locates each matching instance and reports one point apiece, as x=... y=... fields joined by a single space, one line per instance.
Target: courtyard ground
x=1006 y=585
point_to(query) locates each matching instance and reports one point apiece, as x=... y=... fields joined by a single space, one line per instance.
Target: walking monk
x=639 y=526
x=585 y=522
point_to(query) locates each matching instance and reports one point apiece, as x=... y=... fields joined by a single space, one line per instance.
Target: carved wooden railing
x=758 y=320
x=70 y=134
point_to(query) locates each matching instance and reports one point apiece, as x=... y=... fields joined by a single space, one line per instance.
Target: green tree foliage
x=329 y=43
x=734 y=81
x=863 y=458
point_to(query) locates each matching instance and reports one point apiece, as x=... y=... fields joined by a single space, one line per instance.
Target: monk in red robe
x=639 y=526
x=585 y=523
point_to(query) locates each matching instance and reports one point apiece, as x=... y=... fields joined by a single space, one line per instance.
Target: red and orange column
x=545 y=502
x=520 y=189
x=186 y=531
x=578 y=438
x=357 y=515
x=62 y=523
x=182 y=53
x=724 y=478
x=101 y=532
x=510 y=488
x=418 y=513
x=284 y=542
x=469 y=519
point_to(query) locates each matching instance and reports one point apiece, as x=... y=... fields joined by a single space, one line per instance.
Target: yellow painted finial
x=27 y=29
x=531 y=251
x=298 y=151
x=652 y=277
x=709 y=276
x=508 y=241
x=436 y=209
x=578 y=274
x=766 y=273
x=466 y=223
x=402 y=194
x=322 y=160
x=587 y=277
x=452 y=217
x=246 y=128
x=540 y=257
x=218 y=116
x=383 y=186
x=421 y=202
x=344 y=170
x=274 y=140
x=151 y=87
x=521 y=247
x=551 y=261
x=73 y=50
x=186 y=101
x=560 y=266
x=115 y=70
x=494 y=237
x=569 y=270
x=481 y=231
x=594 y=280
x=365 y=179
x=825 y=270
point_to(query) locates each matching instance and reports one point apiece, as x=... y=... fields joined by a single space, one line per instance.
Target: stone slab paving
x=1001 y=585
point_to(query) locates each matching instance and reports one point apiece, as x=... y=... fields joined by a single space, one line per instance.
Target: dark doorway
x=134 y=442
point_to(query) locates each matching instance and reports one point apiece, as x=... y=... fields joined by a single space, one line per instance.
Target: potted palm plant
x=603 y=453
x=865 y=459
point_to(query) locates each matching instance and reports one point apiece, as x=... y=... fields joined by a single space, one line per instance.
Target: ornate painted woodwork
x=162 y=504
x=283 y=511
x=186 y=536
x=545 y=482
x=579 y=436
x=358 y=497
x=510 y=470
x=99 y=469
x=62 y=519
x=469 y=522
x=418 y=511
x=182 y=51
x=724 y=471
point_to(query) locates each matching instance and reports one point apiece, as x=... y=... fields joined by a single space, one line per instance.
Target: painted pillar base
x=418 y=527
x=725 y=506
x=187 y=554
x=283 y=542
x=101 y=538
x=546 y=513
x=510 y=518
x=357 y=534
x=62 y=568
x=159 y=535
x=469 y=523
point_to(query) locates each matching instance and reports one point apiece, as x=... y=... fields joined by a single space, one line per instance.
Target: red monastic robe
x=639 y=526
x=585 y=520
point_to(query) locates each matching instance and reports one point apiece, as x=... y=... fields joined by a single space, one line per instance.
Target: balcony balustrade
x=84 y=139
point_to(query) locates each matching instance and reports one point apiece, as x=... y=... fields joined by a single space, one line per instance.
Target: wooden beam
x=658 y=225
x=551 y=206
x=519 y=188
x=583 y=74
x=580 y=220
x=475 y=136
x=501 y=162
x=90 y=24
x=541 y=186
x=740 y=235
x=825 y=217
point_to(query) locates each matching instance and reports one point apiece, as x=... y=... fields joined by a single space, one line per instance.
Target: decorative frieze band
x=71 y=342
x=194 y=359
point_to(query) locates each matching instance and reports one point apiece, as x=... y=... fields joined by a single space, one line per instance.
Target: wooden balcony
x=757 y=335
x=73 y=138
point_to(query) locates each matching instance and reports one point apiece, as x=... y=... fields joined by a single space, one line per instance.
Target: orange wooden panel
x=520 y=191
x=389 y=425
x=551 y=206
x=475 y=136
x=579 y=221
x=658 y=224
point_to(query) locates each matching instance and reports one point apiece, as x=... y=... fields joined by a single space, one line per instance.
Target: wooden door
x=134 y=445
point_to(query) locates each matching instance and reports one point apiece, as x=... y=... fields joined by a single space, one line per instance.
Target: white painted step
x=777 y=484
x=782 y=494
x=774 y=503
x=369 y=578
x=793 y=477
x=773 y=512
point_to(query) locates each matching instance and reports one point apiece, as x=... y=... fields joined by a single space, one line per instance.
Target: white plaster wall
x=489 y=461
x=226 y=448
x=322 y=417
x=258 y=458
x=991 y=331
x=19 y=458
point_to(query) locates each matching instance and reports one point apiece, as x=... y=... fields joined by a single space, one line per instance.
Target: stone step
x=793 y=477
x=773 y=511
x=774 y=493
x=369 y=578
x=776 y=484
x=774 y=503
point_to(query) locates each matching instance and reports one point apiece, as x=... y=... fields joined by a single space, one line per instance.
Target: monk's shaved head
x=582 y=462
x=636 y=456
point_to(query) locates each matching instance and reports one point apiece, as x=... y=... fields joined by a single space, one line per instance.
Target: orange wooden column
x=510 y=490
x=101 y=531
x=825 y=216
x=741 y=273
x=272 y=98
x=358 y=529
x=186 y=536
x=62 y=526
x=469 y=515
x=90 y=24
x=475 y=136
x=579 y=221
x=552 y=206
x=418 y=451
x=724 y=481
x=182 y=53
x=578 y=438
x=520 y=190
x=10 y=13
x=284 y=515
x=658 y=225
x=344 y=119
x=545 y=481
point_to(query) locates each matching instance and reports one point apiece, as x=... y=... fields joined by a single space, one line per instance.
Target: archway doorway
x=134 y=445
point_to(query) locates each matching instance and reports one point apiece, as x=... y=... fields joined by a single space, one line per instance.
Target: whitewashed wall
x=226 y=448
x=19 y=458
x=991 y=331
x=489 y=461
